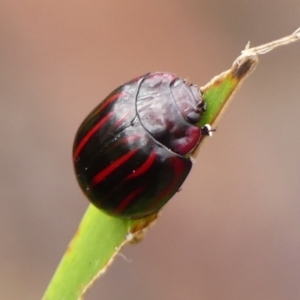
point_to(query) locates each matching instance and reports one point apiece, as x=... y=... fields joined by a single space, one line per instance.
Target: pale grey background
x=234 y=230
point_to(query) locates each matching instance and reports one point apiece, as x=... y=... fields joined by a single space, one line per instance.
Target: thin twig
x=262 y=49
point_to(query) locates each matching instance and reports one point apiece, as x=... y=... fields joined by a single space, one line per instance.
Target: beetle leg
x=207 y=130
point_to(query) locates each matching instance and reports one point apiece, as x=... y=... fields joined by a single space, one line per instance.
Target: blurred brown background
x=234 y=230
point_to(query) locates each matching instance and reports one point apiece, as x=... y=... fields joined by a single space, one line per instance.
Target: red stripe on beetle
x=121 y=120
x=116 y=164
x=89 y=135
x=178 y=168
x=110 y=100
x=144 y=167
x=126 y=140
x=128 y=199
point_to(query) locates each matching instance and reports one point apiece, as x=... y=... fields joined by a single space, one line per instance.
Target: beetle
x=132 y=152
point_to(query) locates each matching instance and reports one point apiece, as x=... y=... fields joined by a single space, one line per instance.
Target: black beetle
x=132 y=152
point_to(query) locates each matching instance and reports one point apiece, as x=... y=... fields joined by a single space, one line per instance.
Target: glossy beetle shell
x=131 y=152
